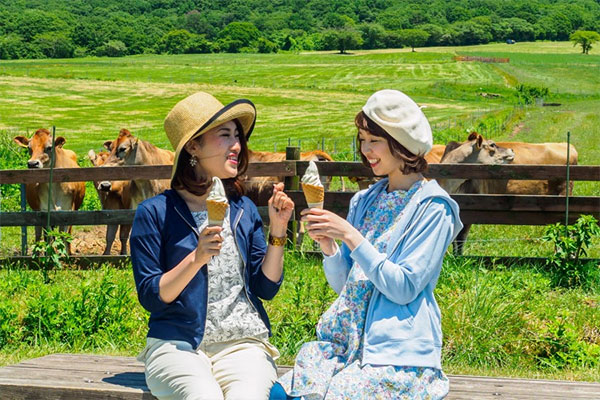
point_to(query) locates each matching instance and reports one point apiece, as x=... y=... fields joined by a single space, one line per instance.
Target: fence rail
x=297 y=168
x=475 y=209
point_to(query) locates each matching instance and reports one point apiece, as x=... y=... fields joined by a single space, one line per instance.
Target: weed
x=570 y=243
x=560 y=346
x=51 y=252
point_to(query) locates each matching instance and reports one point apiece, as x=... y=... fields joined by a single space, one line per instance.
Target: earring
x=193 y=161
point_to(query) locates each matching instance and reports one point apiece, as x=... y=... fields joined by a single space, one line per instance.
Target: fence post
x=292 y=183
x=52 y=161
x=23 y=228
x=568 y=183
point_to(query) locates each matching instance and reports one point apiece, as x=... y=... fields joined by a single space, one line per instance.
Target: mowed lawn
x=311 y=99
x=297 y=96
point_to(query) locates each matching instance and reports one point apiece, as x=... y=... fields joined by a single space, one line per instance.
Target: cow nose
x=34 y=164
x=104 y=186
x=510 y=155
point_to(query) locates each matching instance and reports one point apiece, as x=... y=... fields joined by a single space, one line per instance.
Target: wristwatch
x=277 y=241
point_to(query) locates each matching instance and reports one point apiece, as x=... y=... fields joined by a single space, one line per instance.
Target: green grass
x=496 y=321
x=297 y=96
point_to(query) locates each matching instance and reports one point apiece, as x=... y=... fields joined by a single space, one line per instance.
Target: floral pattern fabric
x=229 y=315
x=330 y=368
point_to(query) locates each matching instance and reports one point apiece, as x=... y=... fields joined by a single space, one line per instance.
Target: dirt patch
x=91 y=240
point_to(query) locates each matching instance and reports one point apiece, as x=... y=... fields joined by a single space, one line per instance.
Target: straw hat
x=199 y=113
x=402 y=118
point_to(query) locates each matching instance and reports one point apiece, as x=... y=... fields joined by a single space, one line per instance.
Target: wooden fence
x=478 y=209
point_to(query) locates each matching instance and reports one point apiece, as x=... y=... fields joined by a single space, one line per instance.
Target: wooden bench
x=82 y=376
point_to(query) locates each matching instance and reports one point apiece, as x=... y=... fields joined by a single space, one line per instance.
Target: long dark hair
x=185 y=177
x=412 y=163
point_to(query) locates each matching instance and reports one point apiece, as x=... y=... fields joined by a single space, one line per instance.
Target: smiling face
x=217 y=151
x=376 y=151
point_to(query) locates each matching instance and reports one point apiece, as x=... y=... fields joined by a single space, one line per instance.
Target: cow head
x=100 y=160
x=477 y=150
x=122 y=149
x=40 y=147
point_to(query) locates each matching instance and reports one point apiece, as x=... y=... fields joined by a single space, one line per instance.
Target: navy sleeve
x=145 y=246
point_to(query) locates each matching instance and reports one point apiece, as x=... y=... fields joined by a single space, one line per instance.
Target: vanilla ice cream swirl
x=311 y=176
x=217 y=191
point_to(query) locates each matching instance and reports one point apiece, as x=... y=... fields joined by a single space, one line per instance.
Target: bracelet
x=277 y=241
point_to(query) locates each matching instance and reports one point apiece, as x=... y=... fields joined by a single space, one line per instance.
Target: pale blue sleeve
x=337 y=267
x=420 y=259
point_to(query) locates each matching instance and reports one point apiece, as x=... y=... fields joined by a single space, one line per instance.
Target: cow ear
x=479 y=141
x=59 y=141
x=92 y=156
x=21 y=141
x=108 y=145
x=472 y=136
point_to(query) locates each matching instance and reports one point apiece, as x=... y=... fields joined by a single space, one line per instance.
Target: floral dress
x=330 y=368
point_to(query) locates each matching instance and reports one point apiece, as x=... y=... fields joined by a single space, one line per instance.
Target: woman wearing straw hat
x=381 y=338
x=208 y=330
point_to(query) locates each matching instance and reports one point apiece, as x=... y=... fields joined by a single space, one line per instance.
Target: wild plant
x=571 y=242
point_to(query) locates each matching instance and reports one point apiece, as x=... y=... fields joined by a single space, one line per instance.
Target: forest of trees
x=78 y=28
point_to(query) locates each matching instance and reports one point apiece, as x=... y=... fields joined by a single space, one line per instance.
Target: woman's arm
x=173 y=282
x=323 y=226
x=419 y=261
x=157 y=288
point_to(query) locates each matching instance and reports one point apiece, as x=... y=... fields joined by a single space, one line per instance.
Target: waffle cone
x=314 y=195
x=216 y=212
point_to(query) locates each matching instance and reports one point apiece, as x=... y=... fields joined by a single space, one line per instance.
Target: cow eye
x=48 y=149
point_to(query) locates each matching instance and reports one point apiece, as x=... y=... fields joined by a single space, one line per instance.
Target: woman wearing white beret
x=382 y=337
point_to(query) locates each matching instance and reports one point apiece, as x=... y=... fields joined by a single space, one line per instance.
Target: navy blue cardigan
x=164 y=233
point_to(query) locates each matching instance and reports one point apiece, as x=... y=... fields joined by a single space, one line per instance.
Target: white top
x=230 y=314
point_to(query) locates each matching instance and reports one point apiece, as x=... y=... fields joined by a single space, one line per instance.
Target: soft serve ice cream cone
x=313 y=189
x=216 y=203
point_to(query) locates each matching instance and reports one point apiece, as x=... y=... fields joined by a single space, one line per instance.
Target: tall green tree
x=585 y=39
x=413 y=37
x=342 y=39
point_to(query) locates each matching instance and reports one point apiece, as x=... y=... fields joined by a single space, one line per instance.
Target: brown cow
x=65 y=196
x=476 y=150
x=130 y=150
x=540 y=153
x=114 y=196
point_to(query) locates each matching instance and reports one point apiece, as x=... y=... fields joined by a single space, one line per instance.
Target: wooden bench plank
x=82 y=376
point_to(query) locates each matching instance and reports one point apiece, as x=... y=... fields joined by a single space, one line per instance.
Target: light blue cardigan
x=403 y=323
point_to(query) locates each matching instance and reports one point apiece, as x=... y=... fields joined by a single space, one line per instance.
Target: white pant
x=241 y=370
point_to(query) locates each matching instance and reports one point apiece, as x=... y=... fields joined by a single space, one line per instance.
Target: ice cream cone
x=314 y=195
x=216 y=212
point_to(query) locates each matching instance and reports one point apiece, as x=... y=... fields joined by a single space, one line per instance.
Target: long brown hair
x=412 y=163
x=185 y=177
